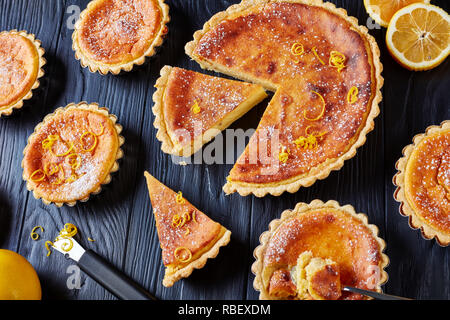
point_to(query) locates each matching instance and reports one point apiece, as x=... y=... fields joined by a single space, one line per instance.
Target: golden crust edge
x=8 y=110
x=293 y=185
x=128 y=66
x=265 y=237
x=157 y=109
x=115 y=166
x=186 y=271
x=414 y=222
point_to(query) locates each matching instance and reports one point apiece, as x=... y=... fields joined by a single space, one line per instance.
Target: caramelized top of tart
x=321 y=69
x=194 y=102
x=327 y=233
x=119 y=31
x=19 y=66
x=427 y=180
x=70 y=154
x=184 y=232
x=321 y=277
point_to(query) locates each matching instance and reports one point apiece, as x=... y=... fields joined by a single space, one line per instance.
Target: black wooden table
x=120 y=218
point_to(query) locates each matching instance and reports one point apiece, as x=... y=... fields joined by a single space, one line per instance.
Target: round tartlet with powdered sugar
x=423 y=182
x=21 y=62
x=115 y=35
x=72 y=153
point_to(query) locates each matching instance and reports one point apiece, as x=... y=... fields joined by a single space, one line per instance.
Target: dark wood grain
x=120 y=218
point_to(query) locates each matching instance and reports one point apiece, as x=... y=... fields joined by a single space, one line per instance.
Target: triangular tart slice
x=191 y=108
x=187 y=236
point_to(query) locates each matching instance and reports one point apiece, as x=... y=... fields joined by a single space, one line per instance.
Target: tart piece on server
x=316 y=249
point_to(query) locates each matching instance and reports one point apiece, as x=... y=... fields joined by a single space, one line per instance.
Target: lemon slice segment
x=418 y=36
x=382 y=10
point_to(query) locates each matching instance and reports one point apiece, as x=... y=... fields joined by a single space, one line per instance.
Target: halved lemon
x=382 y=10
x=418 y=36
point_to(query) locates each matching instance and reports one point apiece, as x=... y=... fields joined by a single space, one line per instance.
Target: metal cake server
x=103 y=272
x=373 y=294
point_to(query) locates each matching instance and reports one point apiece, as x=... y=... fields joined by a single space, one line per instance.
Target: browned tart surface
x=19 y=66
x=70 y=155
x=328 y=234
x=427 y=181
x=119 y=31
x=321 y=68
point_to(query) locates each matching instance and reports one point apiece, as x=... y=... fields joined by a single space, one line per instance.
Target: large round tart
x=325 y=71
x=114 y=35
x=423 y=181
x=326 y=231
x=21 y=61
x=72 y=153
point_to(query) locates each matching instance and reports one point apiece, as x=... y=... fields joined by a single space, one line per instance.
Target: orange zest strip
x=195 y=108
x=337 y=60
x=193 y=217
x=101 y=131
x=48 y=142
x=297 y=49
x=47 y=243
x=74 y=160
x=91 y=240
x=179 y=256
x=187 y=216
x=59 y=180
x=34 y=235
x=51 y=168
x=284 y=154
x=37 y=176
x=69 y=230
x=67 y=246
x=321 y=112
x=317 y=55
x=176 y=220
x=179 y=199
x=65 y=153
x=310 y=141
x=94 y=144
x=352 y=95
x=187 y=231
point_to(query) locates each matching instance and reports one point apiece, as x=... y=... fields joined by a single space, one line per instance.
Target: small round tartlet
x=72 y=153
x=326 y=231
x=115 y=35
x=21 y=62
x=423 y=183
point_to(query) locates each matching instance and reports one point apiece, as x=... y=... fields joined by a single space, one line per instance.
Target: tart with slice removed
x=317 y=248
x=21 y=62
x=72 y=153
x=325 y=71
x=187 y=236
x=423 y=181
x=191 y=108
x=115 y=35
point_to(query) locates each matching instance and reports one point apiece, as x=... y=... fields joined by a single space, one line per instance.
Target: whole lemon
x=18 y=279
